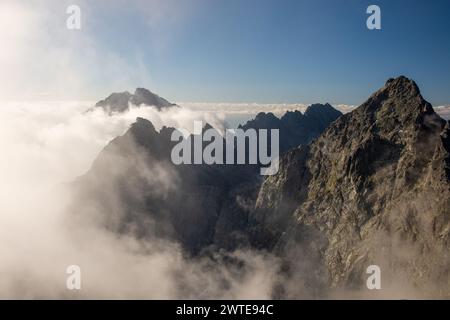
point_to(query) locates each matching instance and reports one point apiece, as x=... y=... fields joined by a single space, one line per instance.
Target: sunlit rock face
x=374 y=188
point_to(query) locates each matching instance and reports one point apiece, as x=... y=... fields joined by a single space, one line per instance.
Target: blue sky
x=262 y=50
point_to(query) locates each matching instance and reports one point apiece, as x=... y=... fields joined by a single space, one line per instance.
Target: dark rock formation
x=296 y=128
x=374 y=188
x=134 y=183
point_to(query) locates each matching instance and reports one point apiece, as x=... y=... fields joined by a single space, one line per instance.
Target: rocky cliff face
x=374 y=188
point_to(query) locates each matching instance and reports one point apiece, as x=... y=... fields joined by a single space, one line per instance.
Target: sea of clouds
x=45 y=146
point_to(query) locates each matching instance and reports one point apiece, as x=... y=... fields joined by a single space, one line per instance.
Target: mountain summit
x=373 y=189
x=120 y=102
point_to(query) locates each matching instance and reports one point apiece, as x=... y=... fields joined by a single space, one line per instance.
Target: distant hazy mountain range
x=296 y=128
x=120 y=102
x=368 y=187
x=140 y=160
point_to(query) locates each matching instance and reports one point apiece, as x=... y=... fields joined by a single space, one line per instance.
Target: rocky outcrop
x=374 y=188
x=133 y=187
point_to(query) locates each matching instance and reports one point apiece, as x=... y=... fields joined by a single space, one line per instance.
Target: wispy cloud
x=45 y=60
x=45 y=145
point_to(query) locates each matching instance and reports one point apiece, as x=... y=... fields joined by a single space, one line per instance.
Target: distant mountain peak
x=120 y=101
x=319 y=108
x=143 y=122
x=401 y=87
x=292 y=116
x=146 y=97
x=402 y=83
x=296 y=128
x=143 y=127
x=267 y=116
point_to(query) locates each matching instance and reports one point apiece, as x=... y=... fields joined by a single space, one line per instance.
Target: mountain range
x=371 y=187
x=120 y=101
x=295 y=127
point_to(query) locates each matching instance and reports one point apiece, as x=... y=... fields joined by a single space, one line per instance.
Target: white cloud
x=42 y=59
x=45 y=145
x=443 y=111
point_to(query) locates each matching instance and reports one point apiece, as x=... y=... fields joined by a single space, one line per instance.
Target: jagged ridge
x=120 y=102
x=373 y=189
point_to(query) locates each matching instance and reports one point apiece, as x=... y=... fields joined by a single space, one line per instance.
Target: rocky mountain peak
x=377 y=178
x=401 y=97
x=120 y=101
x=401 y=86
x=319 y=108
x=143 y=123
x=396 y=112
x=292 y=115
x=146 y=97
x=266 y=117
x=296 y=128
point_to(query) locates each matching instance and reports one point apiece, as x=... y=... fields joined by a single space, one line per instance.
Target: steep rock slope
x=374 y=188
x=296 y=128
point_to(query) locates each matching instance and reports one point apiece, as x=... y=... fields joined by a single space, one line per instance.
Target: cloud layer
x=45 y=146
